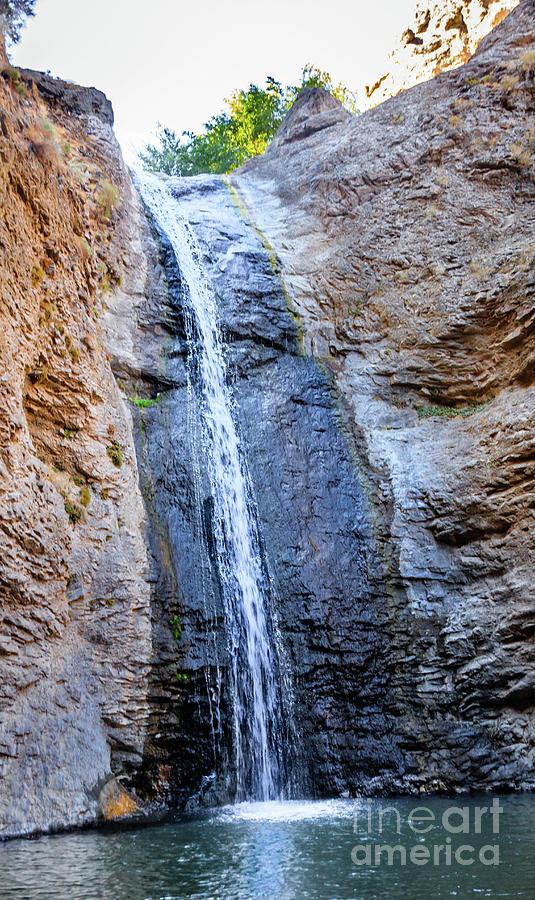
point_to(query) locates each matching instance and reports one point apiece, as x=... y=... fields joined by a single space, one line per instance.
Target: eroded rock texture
x=441 y=36
x=75 y=642
x=406 y=241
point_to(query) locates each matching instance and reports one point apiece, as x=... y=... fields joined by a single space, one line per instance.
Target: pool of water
x=291 y=851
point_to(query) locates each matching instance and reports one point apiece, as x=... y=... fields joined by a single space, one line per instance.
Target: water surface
x=278 y=851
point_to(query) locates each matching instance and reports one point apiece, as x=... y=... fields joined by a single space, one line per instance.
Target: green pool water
x=283 y=851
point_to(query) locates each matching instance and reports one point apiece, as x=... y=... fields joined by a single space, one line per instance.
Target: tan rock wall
x=75 y=603
x=441 y=36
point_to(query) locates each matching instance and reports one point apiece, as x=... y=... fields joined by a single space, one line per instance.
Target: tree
x=12 y=16
x=244 y=130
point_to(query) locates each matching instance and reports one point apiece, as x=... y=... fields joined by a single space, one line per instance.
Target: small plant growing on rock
x=13 y=76
x=85 y=496
x=84 y=247
x=144 y=402
x=114 y=452
x=38 y=273
x=528 y=60
x=73 y=510
x=107 y=199
x=42 y=139
x=509 y=83
x=176 y=627
x=449 y=412
x=48 y=309
x=521 y=154
x=48 y=129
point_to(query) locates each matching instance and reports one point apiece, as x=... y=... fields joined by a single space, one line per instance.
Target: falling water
x=253 y=664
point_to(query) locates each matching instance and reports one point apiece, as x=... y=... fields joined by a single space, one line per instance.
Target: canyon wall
x=75 y=571
x=406 y=241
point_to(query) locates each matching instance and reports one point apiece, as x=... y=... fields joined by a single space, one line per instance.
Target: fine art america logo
x=457 y=839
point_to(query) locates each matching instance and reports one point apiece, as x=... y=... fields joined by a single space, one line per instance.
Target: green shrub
x=42 y=138
x=244 y=129
x=528 y=60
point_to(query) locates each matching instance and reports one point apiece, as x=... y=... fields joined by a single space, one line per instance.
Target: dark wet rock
x=317 y=531
x=405 y=239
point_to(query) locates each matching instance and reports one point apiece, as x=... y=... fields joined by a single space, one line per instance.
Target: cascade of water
x=254 y=682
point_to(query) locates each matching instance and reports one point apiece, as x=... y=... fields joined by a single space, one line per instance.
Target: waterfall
x=253 y=667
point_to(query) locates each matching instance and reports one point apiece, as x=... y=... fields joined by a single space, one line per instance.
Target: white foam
x=287 y=810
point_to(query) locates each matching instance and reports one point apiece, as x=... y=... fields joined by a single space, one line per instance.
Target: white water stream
x=254 y=689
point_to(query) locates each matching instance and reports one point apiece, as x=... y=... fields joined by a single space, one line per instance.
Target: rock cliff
x=441 y=36
x=74 y=567
x=406 y=241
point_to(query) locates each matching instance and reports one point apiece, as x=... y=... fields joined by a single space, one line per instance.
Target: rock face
x=405 y=238
x=75 y=640
x=320 y=551
x=441 y=36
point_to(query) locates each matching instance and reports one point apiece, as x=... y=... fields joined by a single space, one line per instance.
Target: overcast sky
x=175 y=62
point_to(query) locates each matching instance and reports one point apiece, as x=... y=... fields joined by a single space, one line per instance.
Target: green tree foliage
x=243 y=130
x=12 y=15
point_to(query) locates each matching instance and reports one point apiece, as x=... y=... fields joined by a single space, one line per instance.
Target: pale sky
x=175 y=62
